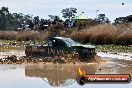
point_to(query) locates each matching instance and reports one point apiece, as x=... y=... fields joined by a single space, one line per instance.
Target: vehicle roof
x=61 y=38
x=71 y=43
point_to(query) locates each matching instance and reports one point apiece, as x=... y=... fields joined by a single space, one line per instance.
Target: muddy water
x=11 y=50
x=60 y=75
x=55 y=75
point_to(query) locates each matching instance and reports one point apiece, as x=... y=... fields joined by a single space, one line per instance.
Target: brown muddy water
x=61 y=75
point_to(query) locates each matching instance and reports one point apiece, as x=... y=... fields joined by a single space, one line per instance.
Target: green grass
x=99 y=48
x=8 y=41
x=114 y=48
x=21 y=43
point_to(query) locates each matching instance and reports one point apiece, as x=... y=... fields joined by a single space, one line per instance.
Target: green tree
x=13 y=21
x=102 y=18
x=5 y=10
x=68 y=13
x=4 y=15
x=17 y=20
x=54 y=18
x=36 y=20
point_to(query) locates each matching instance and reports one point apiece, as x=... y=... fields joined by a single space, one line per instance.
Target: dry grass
x=23 y=35
x=105 y=34
x=99 y=34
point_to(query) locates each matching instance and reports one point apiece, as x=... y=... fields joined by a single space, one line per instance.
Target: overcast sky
x=43 y=8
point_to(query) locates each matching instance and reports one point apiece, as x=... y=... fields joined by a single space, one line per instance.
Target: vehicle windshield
x=69 y=41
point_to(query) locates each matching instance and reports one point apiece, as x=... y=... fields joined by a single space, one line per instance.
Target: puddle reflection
x=58 y=75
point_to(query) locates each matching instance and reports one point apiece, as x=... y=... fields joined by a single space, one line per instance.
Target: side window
x=50 y=43
x=62 y=44
x=53 y=43
x=56 y=43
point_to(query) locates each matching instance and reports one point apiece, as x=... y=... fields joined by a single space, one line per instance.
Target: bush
x=81 y=24
x=54 y=30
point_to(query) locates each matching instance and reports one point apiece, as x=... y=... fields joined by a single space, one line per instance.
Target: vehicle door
x=56 y=47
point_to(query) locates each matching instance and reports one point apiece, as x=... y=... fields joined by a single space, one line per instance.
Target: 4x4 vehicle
x=57 y=46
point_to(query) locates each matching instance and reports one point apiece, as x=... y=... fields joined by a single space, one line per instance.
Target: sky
x=42 y=8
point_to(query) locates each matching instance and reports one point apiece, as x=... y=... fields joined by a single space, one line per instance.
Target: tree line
x=19 y=21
